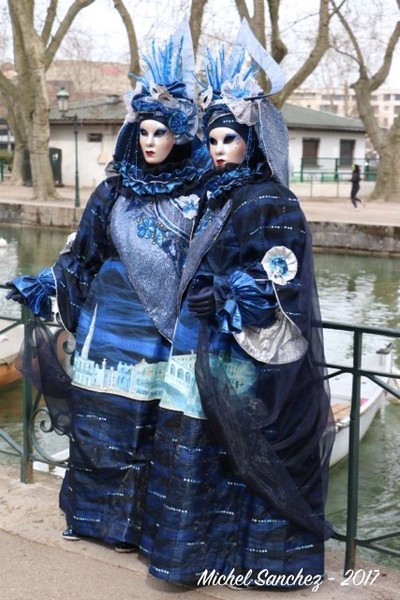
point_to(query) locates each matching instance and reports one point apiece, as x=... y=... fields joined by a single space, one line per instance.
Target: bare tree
x=26 y=98
x=257 y=23
x=278 y=48
x=386 y=143
x=196 y=21
x=130 y=31
x=318 y=50
x=337 y=72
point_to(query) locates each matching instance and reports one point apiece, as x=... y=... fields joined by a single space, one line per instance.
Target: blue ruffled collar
x=221 y=182
x=156 y=181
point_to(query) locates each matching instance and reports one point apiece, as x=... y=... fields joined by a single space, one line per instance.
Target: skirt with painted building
x=117 y=383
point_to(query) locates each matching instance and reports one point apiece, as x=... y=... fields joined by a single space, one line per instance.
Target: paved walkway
x=36 y=563
x=323 y=206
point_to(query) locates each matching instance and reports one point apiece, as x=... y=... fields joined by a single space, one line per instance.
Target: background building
x=322 y=146
x=342 y=101
x=339 y=101
x=325 y=135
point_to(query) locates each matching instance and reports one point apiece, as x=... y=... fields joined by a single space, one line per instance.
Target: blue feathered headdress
x=231 y=87
x=166 y=87
x=219 y=70
x=229 y=82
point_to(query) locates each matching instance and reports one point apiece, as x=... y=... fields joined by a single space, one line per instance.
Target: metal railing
x=15 y=448
x=35 y=416
x=34 y=409
x=327 y=169
x=356 y=370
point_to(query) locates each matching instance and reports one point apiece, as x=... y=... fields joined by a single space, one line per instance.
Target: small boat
x=371 y=400
x=55 y=468
x=10 y=344
x=9 y=373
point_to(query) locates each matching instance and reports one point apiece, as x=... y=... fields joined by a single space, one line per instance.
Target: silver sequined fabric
x=152 y=238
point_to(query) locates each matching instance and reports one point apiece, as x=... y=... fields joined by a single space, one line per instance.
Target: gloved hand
x=14 y=294
x=203 y=304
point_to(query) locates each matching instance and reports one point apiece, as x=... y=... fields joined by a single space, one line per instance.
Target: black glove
x=14 y=294
x=203 y=304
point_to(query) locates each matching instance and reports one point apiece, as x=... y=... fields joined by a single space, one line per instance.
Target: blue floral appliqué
x=280 y=264
x=189 y=205
x=148 y=229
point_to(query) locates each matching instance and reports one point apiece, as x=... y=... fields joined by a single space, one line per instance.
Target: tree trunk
x=42 y=174
x=18 y=165
x=14 y=123
x=130 y=30
x=27 y=99
x=387 y=144
x=387 y=186
x=257 y=25
x=34 y=106
x=196 y=20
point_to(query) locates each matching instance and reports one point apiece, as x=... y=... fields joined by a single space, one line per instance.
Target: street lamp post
x=62 y=98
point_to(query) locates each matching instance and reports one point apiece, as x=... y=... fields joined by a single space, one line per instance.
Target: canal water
x=353 y=289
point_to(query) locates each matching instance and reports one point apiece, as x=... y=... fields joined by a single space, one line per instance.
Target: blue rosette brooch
x=280 y=264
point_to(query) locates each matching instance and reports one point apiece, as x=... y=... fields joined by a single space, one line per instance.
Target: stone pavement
x=324 y=205
x=36 y=563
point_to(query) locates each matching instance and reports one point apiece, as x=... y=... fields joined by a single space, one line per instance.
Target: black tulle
x=279 y=432
x=44 y=360
x=279 y=470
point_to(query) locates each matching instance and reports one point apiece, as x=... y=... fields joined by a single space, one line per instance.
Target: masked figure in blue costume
x=116 y=287
x=240 y=461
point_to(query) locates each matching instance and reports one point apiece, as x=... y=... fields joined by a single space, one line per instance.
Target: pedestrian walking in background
x=355 y=186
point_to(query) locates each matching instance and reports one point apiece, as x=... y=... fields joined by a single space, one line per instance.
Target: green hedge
x=6 y=157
